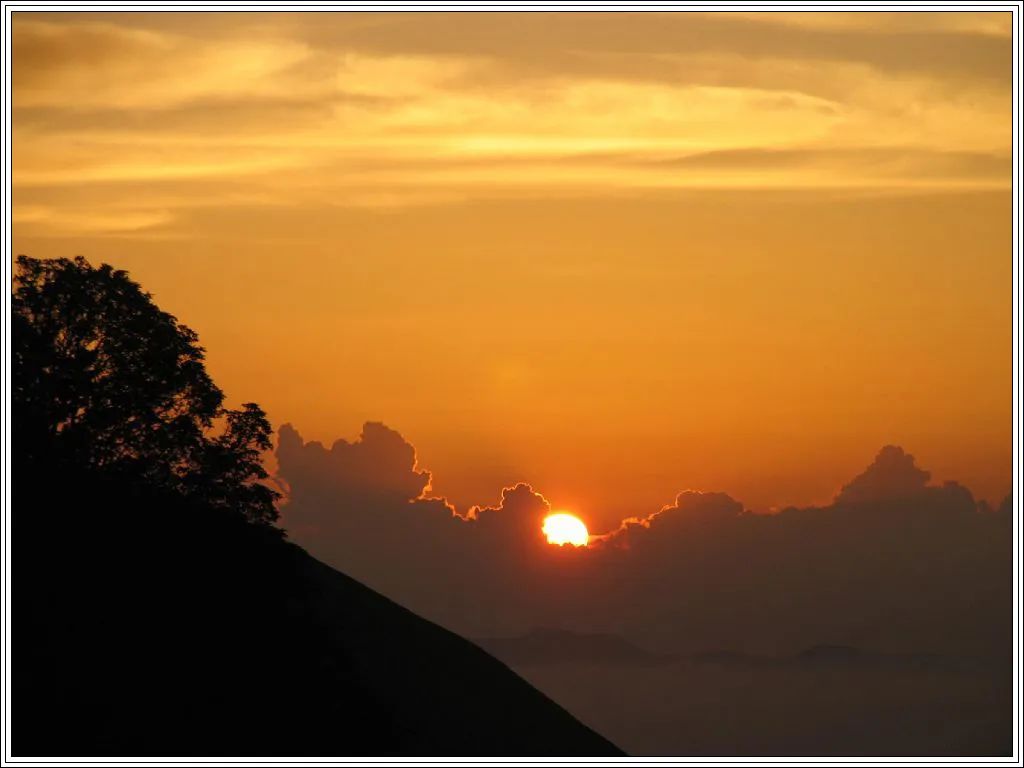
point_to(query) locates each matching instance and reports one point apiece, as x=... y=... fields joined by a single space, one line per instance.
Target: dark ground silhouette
x=144 y=625
x=157 y=610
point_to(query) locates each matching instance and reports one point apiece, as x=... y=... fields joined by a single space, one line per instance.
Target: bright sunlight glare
x=563 y=528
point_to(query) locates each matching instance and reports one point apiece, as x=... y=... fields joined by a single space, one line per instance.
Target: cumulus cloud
x=378 y=467
x=518 y=516
x=364 y=506
x=373 y=480
x=893 y=480
x=893 y=474
x=689 y=507
x=893 y=563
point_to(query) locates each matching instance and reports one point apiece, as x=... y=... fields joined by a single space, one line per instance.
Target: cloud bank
x=893 y=563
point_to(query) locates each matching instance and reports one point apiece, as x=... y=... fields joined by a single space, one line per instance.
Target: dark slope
x=144 y=627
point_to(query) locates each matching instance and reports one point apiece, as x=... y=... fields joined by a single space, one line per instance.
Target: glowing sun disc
x=562 y=528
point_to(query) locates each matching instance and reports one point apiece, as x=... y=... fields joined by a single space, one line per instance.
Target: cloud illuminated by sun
x=563 y=528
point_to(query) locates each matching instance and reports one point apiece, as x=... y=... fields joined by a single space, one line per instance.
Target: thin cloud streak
x=455 y=119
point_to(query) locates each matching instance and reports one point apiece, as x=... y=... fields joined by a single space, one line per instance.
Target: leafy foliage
x=104 y=379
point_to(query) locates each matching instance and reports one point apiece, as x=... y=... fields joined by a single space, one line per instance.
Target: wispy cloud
x=411 y=109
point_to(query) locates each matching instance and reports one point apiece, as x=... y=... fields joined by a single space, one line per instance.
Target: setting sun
x=563 y=528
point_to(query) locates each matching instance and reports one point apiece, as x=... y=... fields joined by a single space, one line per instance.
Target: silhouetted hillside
x=147 y=625
x=157 y=608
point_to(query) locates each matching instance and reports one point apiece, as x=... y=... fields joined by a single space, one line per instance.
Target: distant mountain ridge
x=838 y=655
x=558 y=646
x=546 y=646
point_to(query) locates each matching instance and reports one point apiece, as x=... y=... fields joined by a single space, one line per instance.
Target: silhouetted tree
x=105 y=379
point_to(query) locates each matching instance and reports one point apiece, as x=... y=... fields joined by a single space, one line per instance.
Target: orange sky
x=615 y=256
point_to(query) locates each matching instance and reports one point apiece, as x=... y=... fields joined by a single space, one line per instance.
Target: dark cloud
x=892 y=475
x=213 y=117
x=580 y=43
x=899 y=162
x=894 y=563
x=378 y=468
x=517 y=518
x=638 y=46
x=364 y=507
x=364 y=503
x=39 y=47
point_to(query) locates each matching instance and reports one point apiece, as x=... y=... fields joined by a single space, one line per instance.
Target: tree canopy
x=105 y=379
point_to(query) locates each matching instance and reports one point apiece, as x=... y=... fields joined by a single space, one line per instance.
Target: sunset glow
x=589 y=189
x=563 y=528
x=337 y=332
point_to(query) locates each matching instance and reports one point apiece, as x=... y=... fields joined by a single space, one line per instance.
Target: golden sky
x=613 y=255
